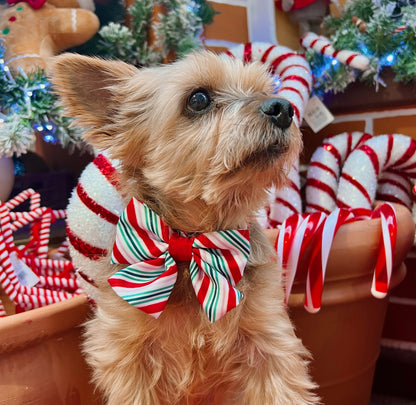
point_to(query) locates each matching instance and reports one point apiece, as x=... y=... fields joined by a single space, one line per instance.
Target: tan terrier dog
x=200 y=141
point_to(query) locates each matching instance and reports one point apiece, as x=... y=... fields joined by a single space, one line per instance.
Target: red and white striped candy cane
x=92 y=214
x=20 y=198
x=394 y=153
x=384 y=264
x=296 y=233
x=59 y=283
x=44 y=232
x=319 y=258
x=325 y=168
x=394 y=187
x=20 y=219
x=3 y=312
x=323 y=45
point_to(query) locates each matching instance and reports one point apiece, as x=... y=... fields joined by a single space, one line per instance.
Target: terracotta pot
x=6 y=177
x=344 y=336
x=41 y=362
x=40 y=358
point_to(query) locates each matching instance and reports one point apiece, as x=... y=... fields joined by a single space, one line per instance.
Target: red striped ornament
x=152 y=250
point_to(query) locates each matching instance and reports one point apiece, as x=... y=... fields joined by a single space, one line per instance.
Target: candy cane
x=296 y=233
x=358 y=183
x=21 y=197
x=325 y=168
x=395 y=188
x=323 y=45
x=44 y=232
x=3 y=312
x=319 y=258
x=384 y=265
x=92 y=213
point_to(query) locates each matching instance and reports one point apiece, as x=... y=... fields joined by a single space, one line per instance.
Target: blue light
x=388 y=60
x=334 y=62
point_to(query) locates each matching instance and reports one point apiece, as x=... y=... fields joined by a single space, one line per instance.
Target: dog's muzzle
x=279 y=110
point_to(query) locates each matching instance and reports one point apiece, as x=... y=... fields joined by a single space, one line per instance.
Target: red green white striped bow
x=151 y=248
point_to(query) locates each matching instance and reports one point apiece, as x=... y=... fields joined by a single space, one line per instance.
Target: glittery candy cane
x=325 y=168
x=323 y=45
x=395 y=188
x=358 y=183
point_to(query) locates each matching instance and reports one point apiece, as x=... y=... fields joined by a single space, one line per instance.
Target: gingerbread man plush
x=34 y=32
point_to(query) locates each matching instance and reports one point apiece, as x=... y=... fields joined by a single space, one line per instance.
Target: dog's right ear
x=86 y=87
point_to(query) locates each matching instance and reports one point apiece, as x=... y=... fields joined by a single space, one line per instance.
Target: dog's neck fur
x=191 y=217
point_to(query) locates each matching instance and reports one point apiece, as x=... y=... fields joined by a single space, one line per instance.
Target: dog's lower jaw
x=250 y=356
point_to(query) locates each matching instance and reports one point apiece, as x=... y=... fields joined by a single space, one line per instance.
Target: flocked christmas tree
x=384 y=31
x=156 y=31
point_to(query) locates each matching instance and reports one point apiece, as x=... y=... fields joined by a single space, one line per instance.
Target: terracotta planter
x=41 y=362
x=40 y=358
x=344 y=336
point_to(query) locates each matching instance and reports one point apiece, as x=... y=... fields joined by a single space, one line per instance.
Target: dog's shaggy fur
x=200 y=171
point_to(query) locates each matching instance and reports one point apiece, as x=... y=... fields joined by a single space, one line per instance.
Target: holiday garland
x=27 y=105
x=384 y=31
x=150 y=36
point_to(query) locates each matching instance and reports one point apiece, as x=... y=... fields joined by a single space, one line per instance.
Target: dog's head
x=199 y=140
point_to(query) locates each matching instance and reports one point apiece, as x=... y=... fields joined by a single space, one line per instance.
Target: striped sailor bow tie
x=151 y=249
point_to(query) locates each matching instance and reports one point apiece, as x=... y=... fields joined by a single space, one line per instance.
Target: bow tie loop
x=152 y=249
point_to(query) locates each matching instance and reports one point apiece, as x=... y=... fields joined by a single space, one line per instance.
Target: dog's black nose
x=280 y=110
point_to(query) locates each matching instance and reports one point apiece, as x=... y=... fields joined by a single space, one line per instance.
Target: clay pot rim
x=19 y=330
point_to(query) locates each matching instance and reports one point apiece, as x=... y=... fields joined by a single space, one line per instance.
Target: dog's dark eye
x=199 y=100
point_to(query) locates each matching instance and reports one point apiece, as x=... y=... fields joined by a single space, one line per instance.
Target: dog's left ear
x=86 y=87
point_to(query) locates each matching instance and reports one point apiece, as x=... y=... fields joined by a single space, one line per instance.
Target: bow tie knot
x=180 y=247
x=151 y=250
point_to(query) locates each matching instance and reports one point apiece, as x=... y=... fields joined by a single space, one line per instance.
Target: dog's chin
x=265 y=157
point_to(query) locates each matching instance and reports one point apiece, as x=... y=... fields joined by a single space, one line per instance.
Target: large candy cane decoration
x=323 y=45
x=92 y=214
x=384 y=153
x=325 y=168
x=294 y=76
